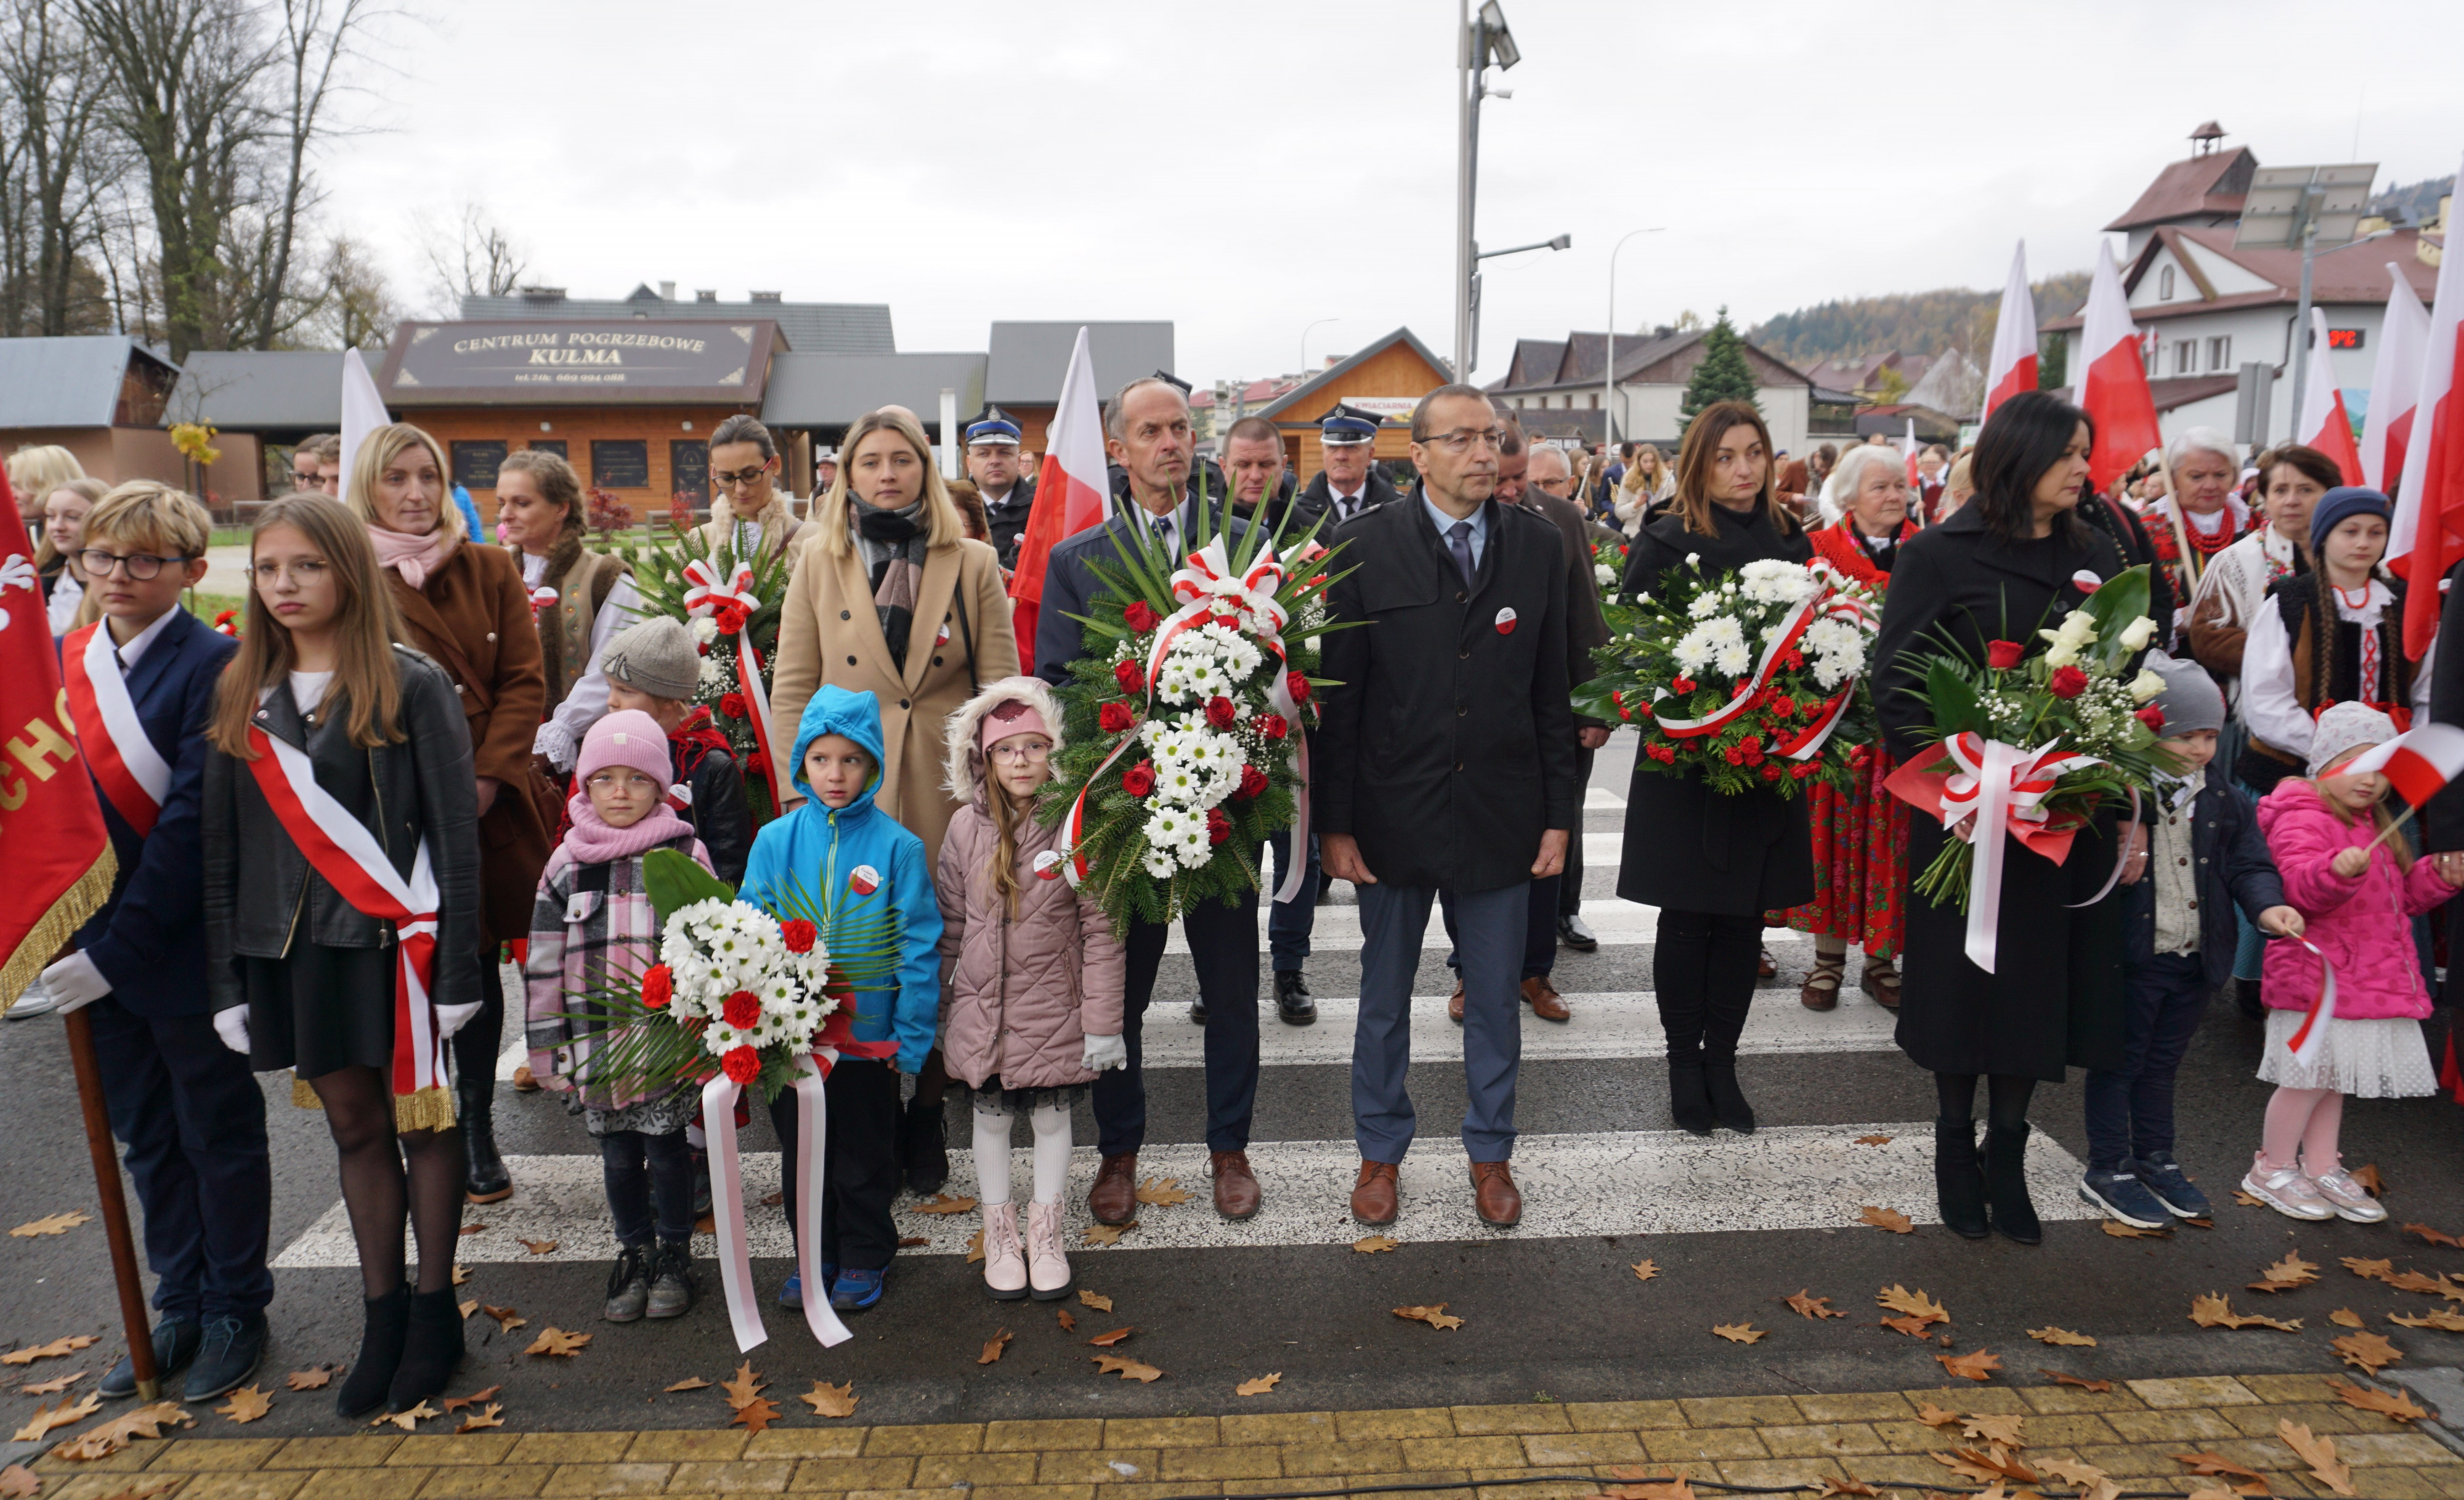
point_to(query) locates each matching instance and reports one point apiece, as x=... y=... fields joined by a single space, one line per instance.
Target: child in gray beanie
x=2206 y=856
x=654 y=666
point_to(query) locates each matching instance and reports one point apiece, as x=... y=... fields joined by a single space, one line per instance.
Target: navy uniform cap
x=1347 y=426
x=996 y=427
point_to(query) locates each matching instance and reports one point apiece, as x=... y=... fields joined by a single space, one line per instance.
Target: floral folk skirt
x=1860 y=857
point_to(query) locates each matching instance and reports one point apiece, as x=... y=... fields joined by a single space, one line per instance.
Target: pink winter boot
x=1047 y=1264
x=1005 y=1259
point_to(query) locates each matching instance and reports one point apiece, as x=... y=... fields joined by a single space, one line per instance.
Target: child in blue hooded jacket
x=838 y=853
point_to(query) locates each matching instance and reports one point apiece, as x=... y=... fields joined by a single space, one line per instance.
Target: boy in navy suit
x=140 y=685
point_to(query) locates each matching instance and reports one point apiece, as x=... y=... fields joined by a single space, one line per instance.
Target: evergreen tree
x=1723 y=375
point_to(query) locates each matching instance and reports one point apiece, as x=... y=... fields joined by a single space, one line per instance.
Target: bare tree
x=315 y=39
x=359 y=310
x=476 y=257
x=56 y=163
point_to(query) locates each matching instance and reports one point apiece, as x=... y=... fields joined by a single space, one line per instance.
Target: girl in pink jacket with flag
x=2357 y=897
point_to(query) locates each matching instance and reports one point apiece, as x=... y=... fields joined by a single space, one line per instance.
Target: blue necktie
x=1459 y=539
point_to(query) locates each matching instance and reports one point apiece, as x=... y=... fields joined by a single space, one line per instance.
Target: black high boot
x=381 y=1336
x=2006 y=1183
x=1728 y=1104
x=1959 y=1179
x=1690 y=1098
x=474 y=1098
x=926 y=1148
x=430 y=1353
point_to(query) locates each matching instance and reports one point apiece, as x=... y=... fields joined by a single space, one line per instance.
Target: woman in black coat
x=1712 y=864
x=2002 y=567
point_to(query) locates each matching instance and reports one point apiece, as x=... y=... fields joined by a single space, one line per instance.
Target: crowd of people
x=417 y=751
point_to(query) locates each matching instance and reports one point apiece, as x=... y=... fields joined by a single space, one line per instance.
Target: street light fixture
x=1304 y=333
x=1607 y=374
x=1481 y=40
x=1561 y=242
x=2309 y=209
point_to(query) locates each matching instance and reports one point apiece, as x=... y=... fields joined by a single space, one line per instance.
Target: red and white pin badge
x=1505 y=620
x=1047 y=864
x=865 y=880
x=942 y=638
x=2085 y=582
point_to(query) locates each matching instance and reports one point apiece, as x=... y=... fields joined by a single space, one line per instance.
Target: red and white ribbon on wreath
x=341 y=850
x=1804 y=744
x=131 y=772
x=1997 y=789
x=757 y=697
x=708 y=592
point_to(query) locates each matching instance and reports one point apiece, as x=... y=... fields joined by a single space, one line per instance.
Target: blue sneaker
x=2163 y=1177
x=2122 y=1196
x=791 y=1296
x=855 y=1290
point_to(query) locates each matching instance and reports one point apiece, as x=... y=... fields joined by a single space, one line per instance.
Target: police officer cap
x=995 y=427
x=1347 y=426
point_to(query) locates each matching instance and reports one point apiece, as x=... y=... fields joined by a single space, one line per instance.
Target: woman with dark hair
x=747 y=509
x=1712 y=864
x=589 y=596
x=2000 y=568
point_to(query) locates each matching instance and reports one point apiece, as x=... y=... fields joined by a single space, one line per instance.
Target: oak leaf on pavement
x=1890 y=1219
x=755 y=1416
x=308 y=1380
x=1807 y=1306
x=60 y=1224
x=1915 y=1303
x=1739 y=1333
x=554 y=1341
x=745 y=1387
x=2362 y=1398
x=55 y=1387
x=944 y=1203
x=1162 y=1192
x=2214 y=1310
x=455 y=1403
x=1976 y=1365
x=1374 y=1244
x=1127 y=1368
x=59 y=1414
x=492 y=1416
x=1259 y=1386
x=2063 y=1336
x=247 y=1404
x=1094 y=1299
x=2370 y=1353
x=994 y=1346
x=1435 y=1317
x=2318 y=1451
x=57 y=1347
x=18 y=1482
x=831 y=1401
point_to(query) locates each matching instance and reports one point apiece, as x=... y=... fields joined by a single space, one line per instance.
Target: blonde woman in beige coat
x=1031 y=976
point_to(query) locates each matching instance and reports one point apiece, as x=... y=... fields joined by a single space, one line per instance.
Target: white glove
x=232 y=1026
x=451 y=1019
x=1105 y=1053
x=76 y=982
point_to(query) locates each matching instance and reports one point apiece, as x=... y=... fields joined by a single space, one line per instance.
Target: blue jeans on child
x=2130 y=1112
x=632 y=1187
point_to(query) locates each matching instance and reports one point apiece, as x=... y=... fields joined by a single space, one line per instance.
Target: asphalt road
x=1550 y=1310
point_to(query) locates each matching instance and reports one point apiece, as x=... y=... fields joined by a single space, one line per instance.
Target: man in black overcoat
x=1444 y=760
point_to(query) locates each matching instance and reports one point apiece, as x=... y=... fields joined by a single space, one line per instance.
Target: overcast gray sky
x=1244 y=168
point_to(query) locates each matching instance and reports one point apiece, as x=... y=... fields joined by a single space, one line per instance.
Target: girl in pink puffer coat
x=2357 y=903
x=1031 y=973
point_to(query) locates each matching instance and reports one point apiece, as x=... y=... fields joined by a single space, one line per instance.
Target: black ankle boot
x=475 y=1099
x=1728 y=1104
x=2006 y=1183
x=1959 y=1179
x=430 y=1353
x=1690 y=1098
x=380 y=1339
x=926 y=1148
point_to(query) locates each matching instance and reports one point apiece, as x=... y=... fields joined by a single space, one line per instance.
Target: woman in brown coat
x=890 y=597
x=465 y=606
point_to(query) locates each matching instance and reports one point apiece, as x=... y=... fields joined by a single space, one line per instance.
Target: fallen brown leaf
x=744 y=1387
x=994 y=1346
x=406 y=1421
x=1916 y=1304
x=944 y=1203
x=1435 y=1317
x=55 y=1387
x=2246 y=1200
x=2369 y=1270
x=1644 y=1271
x=2123 y=1231
x=2286 y=1274
x=247 y=1404
x=491 y=1416
x=2397 y=1405
x=51 y=1223
x=1811 y=1307
x=1374 y=1244
x=1108 y=1340
x=474 y=1228
x=1994 y=1462
x=2200 y=1222
x=1739 y=1333
x=57 y=1347
x=1913 y=1326
x=536 y=1247
x=554 y=1341
x=2049 y=1334
x=2065 y=1377
x=2346 y=1317
x=1108 y=1233
x=145 y=1489
x=1069 y=1324
x=976 y=1246
x=66 y=1410
x=2211 y=1464
x=773 y=1199
x=2447 y=1318
x=2070 y=1471
x=461 y=1274
x=468 y=1308
x=2434 y=1286
x=755 y=1416
x=308 y=1380
x=1128 y=1369
x=2369 y=1352
x=1978 y=1366
x=1259 y=1386
x=1890 y=1219
x=2424 y=1230
x=1663 y=1485
x=507 y=1320
x=2367 y=1176
x=455 y=1403
x=2213 y=1311
x=18 y=1482
x=914 y=1241
x=1851 y=1486
x=1873 y=1140
x=1999 y=1429
x=2317 y=1450
x=1094 y=1299
x=1933 y=1415
x=690 y=1382
x=831 y=1401
x=1162 y=1192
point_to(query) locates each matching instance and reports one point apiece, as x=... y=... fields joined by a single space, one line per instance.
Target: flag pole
x=115 y=1206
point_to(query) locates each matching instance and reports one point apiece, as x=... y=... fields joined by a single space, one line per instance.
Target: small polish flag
x=2324 y=425
x=864 y=880
x=2310 y=1039
x=2418 y=762
x=2013 y=367
x=2395 y=384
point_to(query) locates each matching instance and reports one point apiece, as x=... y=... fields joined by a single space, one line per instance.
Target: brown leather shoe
x=1765 y=966
x=1881 y=980
x=1373 y=1193
x=1235 y=1187
x=524 y=1081
x=1454 y=1006
x=1492 y=1190
x=1543 y=999
x=1114 y=1197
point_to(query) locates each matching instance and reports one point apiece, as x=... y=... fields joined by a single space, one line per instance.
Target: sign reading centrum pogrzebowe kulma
x=579 y=361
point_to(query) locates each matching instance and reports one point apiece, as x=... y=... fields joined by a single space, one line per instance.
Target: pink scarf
x=414 y=557
x=593 y=840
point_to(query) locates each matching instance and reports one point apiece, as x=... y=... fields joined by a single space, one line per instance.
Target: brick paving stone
x=2393 y=1484
x=955 y=1437
x=1032 y=1493
x=675 y=1444
x=363 y=1484
x=1414 y=1422
x=1302 y=1460
x=1535 y=1417
x=1042 y=1437
x=1738 y=1411
x=890 y=1471
x=1823 y=1440
x=570 y=1447
x=2052 y=1399
x=1622 y=1416
x=806 y=1443
x=1713 y=1443
x=487 y=1481
x=1779 y=1471
x=733 y=1476
x=1916 y=1437
x=607 y=1479
x=951 y=1470
x=2289 y=1388
x=1495 y=1451
x=2173 y=1426
x=1158 y=1491
x=1556 y=1449
x=204 y=1455
x=1870 y=1406
x=448 y=1448
x=1161 y=1432
x=2333 y=1418
x=2392 y=1447
x=1290 y=1427
x=264 y=1484
x=1244 y=1461
x=1095 y=1467
x=354 y=1452
x=2197 y=1390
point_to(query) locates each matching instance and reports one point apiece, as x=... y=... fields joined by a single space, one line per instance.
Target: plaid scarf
x=894 y=556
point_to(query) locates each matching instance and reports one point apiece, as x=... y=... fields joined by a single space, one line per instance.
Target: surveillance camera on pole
x=1484 y=40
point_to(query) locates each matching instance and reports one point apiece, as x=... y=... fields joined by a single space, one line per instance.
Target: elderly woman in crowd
x=464 y=604
x=748 y=509
x=2202 y=471
x=1861 y=835
x=581 y=598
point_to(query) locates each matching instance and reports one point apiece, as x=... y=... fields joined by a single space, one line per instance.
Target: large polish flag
x=1068 y=491
x=2015 y=337
x=2395 y=383
x=2113 y=378
x=363 y=411
x=2325 y=423
x=2429 y=498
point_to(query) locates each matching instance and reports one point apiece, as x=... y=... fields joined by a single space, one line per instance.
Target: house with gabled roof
x=1556 y=388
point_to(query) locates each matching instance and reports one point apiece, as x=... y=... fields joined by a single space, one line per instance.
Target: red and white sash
x=131 y=772
x=339 y=847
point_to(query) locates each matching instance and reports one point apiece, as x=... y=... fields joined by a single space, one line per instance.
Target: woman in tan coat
x=464 y=606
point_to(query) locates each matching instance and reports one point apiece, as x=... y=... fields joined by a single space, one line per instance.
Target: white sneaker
x=2346 y=1197
x=1047 y=1264
x=2285 y=1190
x=36 y=1000
x=1005 y=1258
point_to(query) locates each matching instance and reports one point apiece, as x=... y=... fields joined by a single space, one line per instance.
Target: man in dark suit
x=1147 y=433
x=1008 y=494
x=185 y=1106
x=1255 y=475
x=1444 y=760
x=1350 y=484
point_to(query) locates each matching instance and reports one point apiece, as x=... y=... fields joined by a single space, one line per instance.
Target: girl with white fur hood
x=1032 y=975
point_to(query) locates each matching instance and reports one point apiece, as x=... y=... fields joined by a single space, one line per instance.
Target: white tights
x=1051 y=1126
